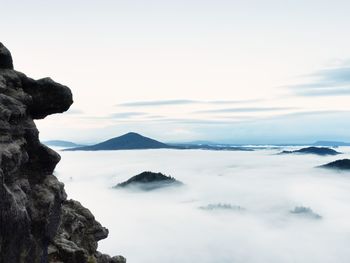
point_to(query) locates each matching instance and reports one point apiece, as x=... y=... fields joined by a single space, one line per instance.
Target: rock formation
x=37 y=223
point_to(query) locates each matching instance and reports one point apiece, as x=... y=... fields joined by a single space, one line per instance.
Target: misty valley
x=231 y=206
x=175 y=131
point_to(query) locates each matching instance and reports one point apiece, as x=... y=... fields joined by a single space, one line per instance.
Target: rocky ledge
x=37 y=222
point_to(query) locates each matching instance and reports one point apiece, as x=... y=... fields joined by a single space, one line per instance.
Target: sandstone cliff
x=37 y=222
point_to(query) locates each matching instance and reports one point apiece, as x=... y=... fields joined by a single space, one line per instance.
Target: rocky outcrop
x=76 y=240
x=37 y=223
x=5 y=58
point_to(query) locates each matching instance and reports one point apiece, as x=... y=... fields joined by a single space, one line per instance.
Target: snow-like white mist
x=234 y=206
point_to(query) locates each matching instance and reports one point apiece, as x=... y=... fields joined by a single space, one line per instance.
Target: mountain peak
x=128 y=141
x=132 y=134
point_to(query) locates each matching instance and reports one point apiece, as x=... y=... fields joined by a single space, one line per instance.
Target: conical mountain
x=129 y=141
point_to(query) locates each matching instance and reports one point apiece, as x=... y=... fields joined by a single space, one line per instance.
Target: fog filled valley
x=233 y=206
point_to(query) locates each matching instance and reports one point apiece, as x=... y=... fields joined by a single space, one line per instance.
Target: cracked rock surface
x=37 y=222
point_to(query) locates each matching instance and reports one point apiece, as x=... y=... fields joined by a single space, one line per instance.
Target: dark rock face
x=48 y=97
x=338 y=165
x=5 y=58
x=68 y=245
x=314 y=150
x=149 y=181
x=36 y=220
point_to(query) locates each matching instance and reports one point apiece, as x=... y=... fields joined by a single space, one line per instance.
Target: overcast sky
x=231 y=71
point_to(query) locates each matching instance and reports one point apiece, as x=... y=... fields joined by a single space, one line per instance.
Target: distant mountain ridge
x=323 y=151
x=135 y=141
x=61 y=143
x=129 y=141
x=331 y=143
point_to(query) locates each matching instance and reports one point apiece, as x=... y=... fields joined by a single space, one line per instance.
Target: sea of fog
x=254 y=193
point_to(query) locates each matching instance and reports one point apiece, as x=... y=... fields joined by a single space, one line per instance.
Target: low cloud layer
x=258 y=206
x=151 y=103
x=126 y=115
x=156 y=103
x=247 y=109
x=282 y=127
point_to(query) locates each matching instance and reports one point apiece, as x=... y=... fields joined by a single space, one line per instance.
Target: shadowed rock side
x=37 y=223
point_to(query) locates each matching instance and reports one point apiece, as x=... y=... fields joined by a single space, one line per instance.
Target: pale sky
x=227 y=71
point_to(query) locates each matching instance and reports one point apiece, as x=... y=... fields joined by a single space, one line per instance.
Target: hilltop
x=129 y=141
x=338 y=165
x=149 y=181
x=135 y=141
x=313 y=150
